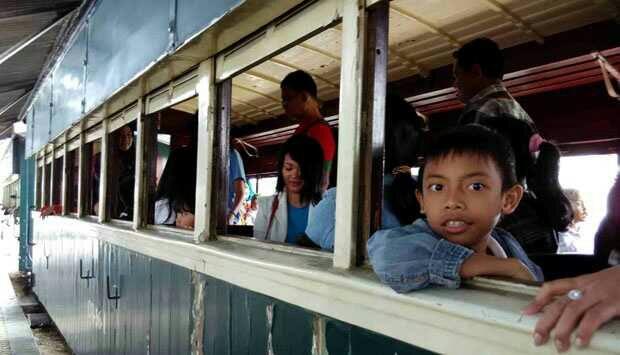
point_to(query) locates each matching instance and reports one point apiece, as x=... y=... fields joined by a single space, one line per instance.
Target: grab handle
x=117 y=294
x=90 y=274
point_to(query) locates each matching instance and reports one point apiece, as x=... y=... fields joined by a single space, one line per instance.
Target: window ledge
x=482 y=317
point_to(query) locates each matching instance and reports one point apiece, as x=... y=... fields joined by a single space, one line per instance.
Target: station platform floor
x=16 y=337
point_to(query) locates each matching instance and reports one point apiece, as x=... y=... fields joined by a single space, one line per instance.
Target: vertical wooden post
x=140 y=178
x=219 y=199
x=103 y=172
x=82 y=171
x=65 y=176
x=373 y=134
x=349 y=133
x=206 y=212
x=44 y=178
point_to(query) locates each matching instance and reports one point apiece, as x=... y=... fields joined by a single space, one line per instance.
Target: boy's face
x=463 y=200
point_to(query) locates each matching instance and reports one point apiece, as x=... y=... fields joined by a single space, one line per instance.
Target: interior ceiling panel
x=19 y=21
x=422 y=36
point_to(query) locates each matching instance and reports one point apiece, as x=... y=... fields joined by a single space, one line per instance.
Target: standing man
x=236 y=185
x=299 y=99
x=544 y=210
x=478 y=72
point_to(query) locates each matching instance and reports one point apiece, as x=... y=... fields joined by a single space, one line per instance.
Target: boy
x=467 y=184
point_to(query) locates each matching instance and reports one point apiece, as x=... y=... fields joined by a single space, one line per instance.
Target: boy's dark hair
x=484 y=52
x=308 y=153
x=477 y=140
x=299 y=81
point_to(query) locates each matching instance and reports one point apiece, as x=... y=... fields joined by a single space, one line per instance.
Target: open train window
x=283 y=119
x=73 y=162
x=38 y=200
x=92 y=170
x=48 y=183
x=121 y=172
x=171 y=140
x=57 y=183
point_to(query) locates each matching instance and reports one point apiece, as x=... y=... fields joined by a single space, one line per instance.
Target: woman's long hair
x=404 y=136
x=541 y=174
x=178 y=180
x=308 y=153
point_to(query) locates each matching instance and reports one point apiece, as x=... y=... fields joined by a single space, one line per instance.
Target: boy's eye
x=476 y=186
x=435 y=187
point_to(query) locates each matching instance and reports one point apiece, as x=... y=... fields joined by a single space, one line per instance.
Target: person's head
x=300 y=168
x=467 y=183
x=579 y=208
x=125 y=138
x=478 y=64
x=404 y=137
x=299 y=94
x=184 y=216
x=254 y=203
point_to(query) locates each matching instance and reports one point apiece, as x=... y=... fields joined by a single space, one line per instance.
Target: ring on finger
x=574 y=294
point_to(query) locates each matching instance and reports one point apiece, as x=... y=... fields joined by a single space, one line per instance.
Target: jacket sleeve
x=408 y=261
x=262 y=218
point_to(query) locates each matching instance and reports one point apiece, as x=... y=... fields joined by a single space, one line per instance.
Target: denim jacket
x=413 y=257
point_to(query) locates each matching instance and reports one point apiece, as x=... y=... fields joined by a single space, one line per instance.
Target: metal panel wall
x=194 y=15
x=69 y=86
x=120 y=39
x=124 y=38
x=153 y=313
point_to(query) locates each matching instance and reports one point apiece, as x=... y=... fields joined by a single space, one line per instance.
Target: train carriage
x=135 y=80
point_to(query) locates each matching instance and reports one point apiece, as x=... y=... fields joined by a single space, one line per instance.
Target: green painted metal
x=153 y=314
x=26 y=200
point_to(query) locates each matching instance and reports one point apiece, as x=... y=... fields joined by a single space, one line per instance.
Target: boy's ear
x=511 y=199
x=420 y=198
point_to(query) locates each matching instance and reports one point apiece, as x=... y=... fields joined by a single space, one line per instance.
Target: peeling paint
x=198 y=315
x=270 y=310
x=319 y=343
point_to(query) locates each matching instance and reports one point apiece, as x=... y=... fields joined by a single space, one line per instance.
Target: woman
x=176 y=192
x=283 y=217
x=403 y=144
x=568 y=240
x=124 y=168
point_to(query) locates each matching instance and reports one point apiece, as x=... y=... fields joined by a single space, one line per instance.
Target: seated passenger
x=176 y=192
x=236 y=185
x=403 y=145
x=283 y=217
x=607 y=239
x=124 y=168
x=299 y=99
x=467 y=184
x=568 y=240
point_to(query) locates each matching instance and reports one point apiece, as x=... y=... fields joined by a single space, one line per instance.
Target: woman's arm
x=599 y=303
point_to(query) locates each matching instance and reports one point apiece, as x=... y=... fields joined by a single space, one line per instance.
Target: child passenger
x=467 y=184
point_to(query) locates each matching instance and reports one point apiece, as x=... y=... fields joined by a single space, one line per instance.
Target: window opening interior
x=264 y=115
x=72 y=180
x=121 y=172
x=39 y=183
x=57 y=183
x=92 y=169
x=171 y=138
x=48 y=184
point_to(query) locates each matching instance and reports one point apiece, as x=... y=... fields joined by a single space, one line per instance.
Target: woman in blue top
x=283 y=217
x=403 y=144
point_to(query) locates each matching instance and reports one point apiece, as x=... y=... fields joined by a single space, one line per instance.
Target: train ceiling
x=422 y=36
